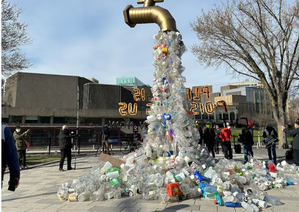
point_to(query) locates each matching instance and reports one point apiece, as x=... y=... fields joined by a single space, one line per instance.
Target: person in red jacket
x=225 y=136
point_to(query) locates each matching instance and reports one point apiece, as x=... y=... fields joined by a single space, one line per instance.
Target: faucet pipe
x=150 y=14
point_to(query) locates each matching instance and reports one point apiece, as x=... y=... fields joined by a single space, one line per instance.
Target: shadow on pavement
x=26 y=197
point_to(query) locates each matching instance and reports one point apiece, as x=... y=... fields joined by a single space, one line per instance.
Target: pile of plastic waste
x=229 y=183
x=171 y=165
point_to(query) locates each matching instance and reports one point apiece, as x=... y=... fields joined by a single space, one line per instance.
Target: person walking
x=295 y=134
x=65 y=146
x=270 y=139
x=217 y=139
x=9 y=158
x=21 y=146
x=225 y=136
x=209 y=138
x=247 y=140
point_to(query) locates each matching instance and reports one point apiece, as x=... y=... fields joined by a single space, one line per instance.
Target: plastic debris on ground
x=171 y=165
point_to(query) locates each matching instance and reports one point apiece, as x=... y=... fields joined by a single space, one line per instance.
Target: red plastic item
x=215 y=202
x=272 y=167
x=173 y=189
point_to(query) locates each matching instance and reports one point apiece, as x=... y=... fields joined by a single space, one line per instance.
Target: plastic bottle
x=255 y=208
x=114 y=182
x=239 y=196
x=200 y=178
x=113 y=169
x=233 y=204
x=260 y=203
x=84 y=196
x=112 y=175
x=218 y=199
x=210 y=189
x=289 y=182
x=272 y=200
x=107 y=166
x=210 y=173
x=229 y=199
x=73 y=197
x=247 y=207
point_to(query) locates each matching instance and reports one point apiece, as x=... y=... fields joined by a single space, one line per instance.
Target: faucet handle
x=149 y=2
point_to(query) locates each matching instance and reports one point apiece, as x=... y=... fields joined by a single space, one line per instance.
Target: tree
x=258 y=39
x=13 y=36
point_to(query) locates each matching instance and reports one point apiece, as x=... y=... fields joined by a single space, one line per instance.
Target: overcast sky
x=90 y=39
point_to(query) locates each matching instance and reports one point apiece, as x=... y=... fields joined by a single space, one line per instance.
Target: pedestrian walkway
x=39 y=185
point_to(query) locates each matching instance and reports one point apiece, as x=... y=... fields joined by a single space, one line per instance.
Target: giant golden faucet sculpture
x=149 y=13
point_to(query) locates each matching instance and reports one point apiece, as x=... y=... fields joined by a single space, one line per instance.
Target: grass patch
x=37 y=159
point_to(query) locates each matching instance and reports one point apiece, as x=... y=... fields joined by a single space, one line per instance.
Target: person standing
x=21 y=145
x=106 y=137
x=225 y=136
x=10 y=158
x=270 y=134
x=250 y=128
x=209 y=138
x=200 y=131
x=295 y=134
x=65 y=146
x=217 y=139
x=247 y=140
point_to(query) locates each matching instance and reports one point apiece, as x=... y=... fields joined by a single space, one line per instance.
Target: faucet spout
x=150 y=14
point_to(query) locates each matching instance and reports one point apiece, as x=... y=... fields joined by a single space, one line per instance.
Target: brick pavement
x=39 y=185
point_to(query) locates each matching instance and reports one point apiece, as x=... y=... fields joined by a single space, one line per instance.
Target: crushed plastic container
x=173 y=189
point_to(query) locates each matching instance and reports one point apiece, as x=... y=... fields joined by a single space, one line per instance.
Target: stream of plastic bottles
x=170 y=165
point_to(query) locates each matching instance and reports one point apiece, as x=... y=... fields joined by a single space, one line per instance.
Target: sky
x=90 y=39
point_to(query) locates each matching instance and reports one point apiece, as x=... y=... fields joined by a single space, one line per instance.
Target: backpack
x=289 y=154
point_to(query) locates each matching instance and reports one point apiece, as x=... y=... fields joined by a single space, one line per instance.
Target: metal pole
x=77 y=123
x=49 y=145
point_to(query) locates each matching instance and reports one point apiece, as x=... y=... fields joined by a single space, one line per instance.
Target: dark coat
x=65 y=139
x=246 y=137
x=295 y=134
x=107 y=133
x=9 y=154
x=209 y=136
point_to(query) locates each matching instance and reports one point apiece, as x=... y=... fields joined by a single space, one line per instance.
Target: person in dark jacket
x=217 y=139
x=209 y=138
x=199 y=128
x=247 y=140
x=65 y=146
x=267 y=134
x=10 y=158
x=295 y=134
x=21 y=145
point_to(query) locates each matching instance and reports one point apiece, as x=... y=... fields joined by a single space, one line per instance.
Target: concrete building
x=39 y=99
x=53 y=100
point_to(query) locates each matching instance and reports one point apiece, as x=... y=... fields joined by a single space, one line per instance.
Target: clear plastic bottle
x=247 y=207
x=260 y=203
x=272 y=200
x=84 y=196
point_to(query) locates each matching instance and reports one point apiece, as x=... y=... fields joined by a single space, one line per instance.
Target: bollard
x=49 y=145
x=258 y=140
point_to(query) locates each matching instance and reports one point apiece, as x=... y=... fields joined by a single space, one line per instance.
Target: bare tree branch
x=255 y=38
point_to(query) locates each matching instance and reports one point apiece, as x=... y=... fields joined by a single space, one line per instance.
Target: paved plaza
x=39 y=185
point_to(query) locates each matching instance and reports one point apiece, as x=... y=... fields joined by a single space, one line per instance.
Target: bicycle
x=129 y=146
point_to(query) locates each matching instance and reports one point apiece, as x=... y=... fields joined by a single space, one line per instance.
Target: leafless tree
x=258 y=39
x=14 y=35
